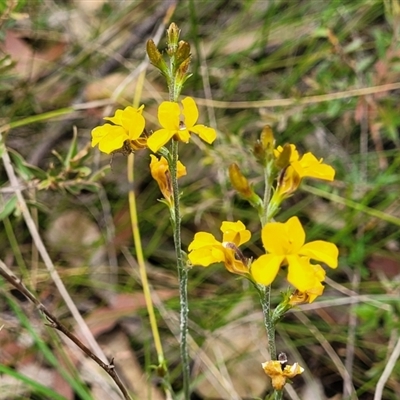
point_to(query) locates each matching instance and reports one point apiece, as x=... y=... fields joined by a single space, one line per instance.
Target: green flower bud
x=156 y=57
x=182 y=53
x=172 y=38
x=264 y=147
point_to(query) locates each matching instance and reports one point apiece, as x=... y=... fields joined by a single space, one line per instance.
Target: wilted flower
x=279 y=375
x=159 y=169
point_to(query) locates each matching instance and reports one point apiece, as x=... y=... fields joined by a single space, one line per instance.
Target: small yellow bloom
x=128 y=125
x=206 y=250
x=285 y=245
x=308 y=166
x=159 y=169
x=178 y=123
x=279 y=375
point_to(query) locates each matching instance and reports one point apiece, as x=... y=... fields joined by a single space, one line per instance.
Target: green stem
x=265 y=291
x=268 y=179
x=182 y=273
x=265 y=300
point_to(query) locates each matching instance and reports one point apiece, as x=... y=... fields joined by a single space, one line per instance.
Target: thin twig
x=387 y=371
x=301 y=100
x=56 y=324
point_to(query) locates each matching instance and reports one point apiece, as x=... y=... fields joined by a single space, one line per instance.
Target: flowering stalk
x=265 y=291
x=263 y=151
x=127 y=134
x=284 y=243
x=175 y=74
x=174 y=91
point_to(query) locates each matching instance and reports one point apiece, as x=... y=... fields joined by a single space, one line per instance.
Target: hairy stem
x=182 y=273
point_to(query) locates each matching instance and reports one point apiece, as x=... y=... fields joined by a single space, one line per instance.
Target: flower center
x=182 y=126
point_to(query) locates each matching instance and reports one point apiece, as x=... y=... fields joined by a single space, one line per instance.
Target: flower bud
x=242 y=186
x=264 y=147
x=182 y=53
x=239 y=182
x=172 y=38
x=155 y=56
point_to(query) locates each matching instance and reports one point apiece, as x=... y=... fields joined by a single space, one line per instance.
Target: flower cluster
x=285 y=246
x=284 y=243
x=127 y=133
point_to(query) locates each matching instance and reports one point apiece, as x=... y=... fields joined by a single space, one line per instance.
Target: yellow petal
x=207 y=255
x=272 y=368
x=202 y=239
x=315 y=291
x=158 y=169
x=205 y=133
x=265 y=268
x=108 y=137
x=190 y=112
x=319 y=272
x=288 y=184
x=238 y=268
x=116 y=119
x=291 y=371
x=158 y=139
x=310 y=166
x=294 y=154
x=133 y=121
x=283 y=238
x=180 y=170
x=98 y=133
x=322 y=251
x=169 y=116
x=183 y=135
x=235 y=232
x=301 y=273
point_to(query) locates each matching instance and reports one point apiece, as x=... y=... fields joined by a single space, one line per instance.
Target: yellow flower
x=159 y=169
x=206 y=250
x=284 y=243
x=178 y=123
x=279 y=375
x=308 y=166
x=128 y=126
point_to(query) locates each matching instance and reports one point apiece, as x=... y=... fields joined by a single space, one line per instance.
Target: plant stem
x=265 y=300
x=182 y=273
x=265 y=291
